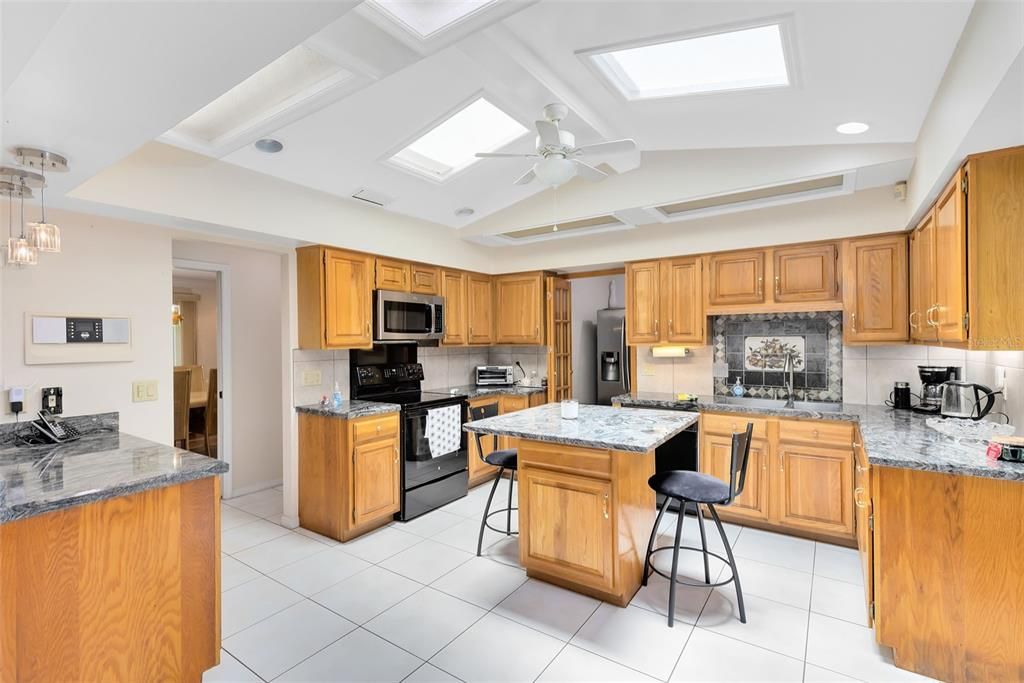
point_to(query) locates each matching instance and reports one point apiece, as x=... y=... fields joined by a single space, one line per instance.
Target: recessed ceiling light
x=450 y=146
x=733 y=60
x=852 y=128
x=427 y=17
x=268 y=145
x=464 y=211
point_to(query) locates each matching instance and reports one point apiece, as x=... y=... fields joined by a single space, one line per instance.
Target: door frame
x=223 y=273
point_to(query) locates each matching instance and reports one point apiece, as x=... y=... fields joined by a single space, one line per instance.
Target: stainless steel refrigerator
x=613 y=371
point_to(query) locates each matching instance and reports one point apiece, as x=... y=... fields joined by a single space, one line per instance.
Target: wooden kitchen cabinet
x=715 y=459
x=520 y=304
x=864 y=523
x=684 y=298
x=425 y=279
x=392 y=274
x=643 y=302
x=922 y=280
x=950 y=283
x=480 y=471
x=806 y=273
x=736 y=278
x=349 y=473
x=510 y=403
x=815 y=488
x=453 y=289
x=480 y=308
x=335 y=298
x=875 y=289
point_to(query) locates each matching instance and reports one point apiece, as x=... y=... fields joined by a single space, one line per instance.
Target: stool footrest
x=495 y=529
x=695 y=583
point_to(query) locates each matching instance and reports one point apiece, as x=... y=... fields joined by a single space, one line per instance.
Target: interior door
x=736 y=278
x=815 y=490
x=951 y=262
x=375 y=480
x=922 y=280
x=716 y=458
x=643 y=302
x=806 y=273
x=559 y=331
x=685 y=285
x=348 y=300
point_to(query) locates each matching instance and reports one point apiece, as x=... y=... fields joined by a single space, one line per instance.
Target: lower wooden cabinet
x=715 y=458
x=864 y=523
x=815 y=489
x=349 y=473
x=480 y=471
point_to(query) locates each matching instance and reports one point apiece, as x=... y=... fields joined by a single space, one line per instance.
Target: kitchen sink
x=817 y=406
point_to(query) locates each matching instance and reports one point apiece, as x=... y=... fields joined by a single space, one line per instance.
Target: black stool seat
x=695 y=487
x=504 y=458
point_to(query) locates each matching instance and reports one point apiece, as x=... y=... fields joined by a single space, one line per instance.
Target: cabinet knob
x=378 y=429
x=815 y=433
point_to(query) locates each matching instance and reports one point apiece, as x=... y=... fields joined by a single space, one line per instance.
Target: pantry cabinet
x=520 y=303
x=335 y=298
x=480 y=308
x=736 y=278
x=453 y=289
x=806 y=273
x=875 y=289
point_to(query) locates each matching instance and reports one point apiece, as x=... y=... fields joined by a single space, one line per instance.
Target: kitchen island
x=109 y=558
x=585 y=509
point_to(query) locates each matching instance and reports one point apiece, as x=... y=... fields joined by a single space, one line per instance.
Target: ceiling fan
x=559 y=156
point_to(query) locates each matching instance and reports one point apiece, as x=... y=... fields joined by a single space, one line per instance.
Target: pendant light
x=19 y=251
x=42 y=235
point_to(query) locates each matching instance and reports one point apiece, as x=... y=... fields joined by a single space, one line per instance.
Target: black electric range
x=428 y=480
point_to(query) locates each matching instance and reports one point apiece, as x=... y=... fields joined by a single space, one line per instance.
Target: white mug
x=570 y=410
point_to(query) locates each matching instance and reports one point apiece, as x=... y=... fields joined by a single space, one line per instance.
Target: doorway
x=592 y=293
x=200 y=338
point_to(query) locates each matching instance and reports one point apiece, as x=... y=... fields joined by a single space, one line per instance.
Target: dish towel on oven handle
x=444 y=430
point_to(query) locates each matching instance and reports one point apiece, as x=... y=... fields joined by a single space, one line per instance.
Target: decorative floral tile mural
x=755 y=345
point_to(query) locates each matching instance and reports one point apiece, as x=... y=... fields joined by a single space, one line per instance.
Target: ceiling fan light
x=21 y=253
x=554 y=170
x=44 y=237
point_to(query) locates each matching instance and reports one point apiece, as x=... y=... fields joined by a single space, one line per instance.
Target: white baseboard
x=241 y=491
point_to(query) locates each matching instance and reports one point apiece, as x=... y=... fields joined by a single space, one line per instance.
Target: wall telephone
x=54 y=431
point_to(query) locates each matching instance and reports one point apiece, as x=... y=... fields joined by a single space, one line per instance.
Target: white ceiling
x=97 y=80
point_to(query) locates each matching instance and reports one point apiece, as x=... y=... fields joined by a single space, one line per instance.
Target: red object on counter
x=994 y=449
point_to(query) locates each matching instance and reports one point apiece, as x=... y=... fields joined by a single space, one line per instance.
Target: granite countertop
x=349 y=410
x=596 y=427
x=102 y=464
x=474 y=391
x=892 y=438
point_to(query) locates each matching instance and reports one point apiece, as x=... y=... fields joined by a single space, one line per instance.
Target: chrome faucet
x=788 y=369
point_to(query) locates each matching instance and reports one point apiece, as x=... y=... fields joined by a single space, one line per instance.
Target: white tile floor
x=412 y=602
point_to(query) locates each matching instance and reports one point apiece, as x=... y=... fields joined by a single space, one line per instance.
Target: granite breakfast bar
x=585 y=509
x=109 y=558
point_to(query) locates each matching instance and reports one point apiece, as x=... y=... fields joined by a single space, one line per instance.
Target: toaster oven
x=494 y=375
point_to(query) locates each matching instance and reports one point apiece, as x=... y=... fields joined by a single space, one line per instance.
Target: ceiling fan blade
x=589 y=172
x=525 y=178
x=609 y=147
x=548 y=133
x=500 y=155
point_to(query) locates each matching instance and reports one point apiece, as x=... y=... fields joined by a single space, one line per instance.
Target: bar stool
x=505 y=459
x=699 y=489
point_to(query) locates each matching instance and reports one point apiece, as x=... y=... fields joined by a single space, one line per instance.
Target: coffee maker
x=932 y=379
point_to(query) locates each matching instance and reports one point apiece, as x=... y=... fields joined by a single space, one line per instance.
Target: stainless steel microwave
x=400 y=316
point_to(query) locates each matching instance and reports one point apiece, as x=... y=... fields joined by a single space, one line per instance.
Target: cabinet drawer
x=510 y=404
x=368 y=428
x=817 y=431
x=588 y=461
x=730 y=423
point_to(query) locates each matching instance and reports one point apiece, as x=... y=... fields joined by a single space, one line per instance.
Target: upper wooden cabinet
x=922 y=280
x=806 y=273
x=950 y=307
x=425 y=279
x=643 y=302
x=393 y=275
x=480 y=308
x=520 y=305
x=335 y=298
x=875 y=289
x=736 y=278
x=684 y=300
x=453 y=289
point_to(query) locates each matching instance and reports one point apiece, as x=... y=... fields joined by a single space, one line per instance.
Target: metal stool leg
x=483 y=522
x=703 y=543
x=732 y=563
x=675 y=566
x=508 y=518
x=650 y=543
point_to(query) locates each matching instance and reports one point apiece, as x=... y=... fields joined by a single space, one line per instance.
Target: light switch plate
x=144 y=390
x=312 y=378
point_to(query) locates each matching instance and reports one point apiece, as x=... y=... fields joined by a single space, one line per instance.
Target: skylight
x=734 y=60
x=450 y=147
x=426 y=17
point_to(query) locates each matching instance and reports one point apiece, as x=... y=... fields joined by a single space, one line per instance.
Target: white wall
x=589 y=295
x=107 y=267
x=256 y=392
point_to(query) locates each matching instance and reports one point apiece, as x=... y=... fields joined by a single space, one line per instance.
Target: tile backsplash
x=754 y=346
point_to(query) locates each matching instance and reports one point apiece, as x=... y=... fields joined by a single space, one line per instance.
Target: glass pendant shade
x=21 y=253
x=44 y=236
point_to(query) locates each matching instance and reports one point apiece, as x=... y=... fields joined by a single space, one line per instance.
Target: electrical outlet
x=312 y=378
x=53 y=400
x=144 y=390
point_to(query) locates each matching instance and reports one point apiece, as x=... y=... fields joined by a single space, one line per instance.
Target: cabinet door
x=393 y=275
x=520 y=300
x=806 y=273
x=875 y=289
x=375 y=480
x=643 y=302
x=566 y=526
x=951 y=262
x=559 y=329
x=478 y=469
x=716 y=458
x=815 y=488
x=736 y=278
x=453 y=289
x=510 y=404
x=865 y=534
x=480 y=308
x=348 y=299
x=922 y=280
x=685 y=285
x=425 y=279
